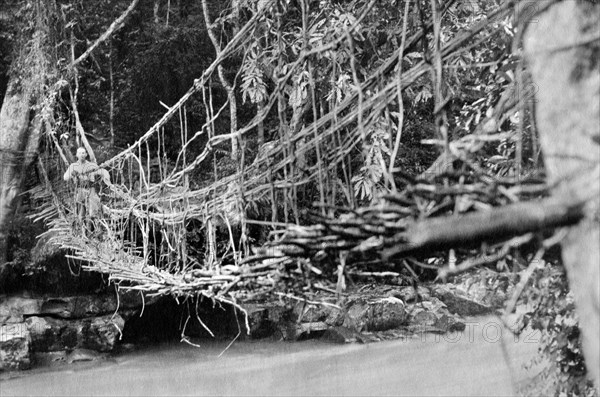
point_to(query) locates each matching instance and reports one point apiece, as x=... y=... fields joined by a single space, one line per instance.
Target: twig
x=535 y=263
x=374 y=274
x=310 y=302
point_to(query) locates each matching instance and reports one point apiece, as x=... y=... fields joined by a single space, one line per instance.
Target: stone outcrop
x=15 y=309
x=31 y=326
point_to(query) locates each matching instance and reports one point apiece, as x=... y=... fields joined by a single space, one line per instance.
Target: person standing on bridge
x=83 y=174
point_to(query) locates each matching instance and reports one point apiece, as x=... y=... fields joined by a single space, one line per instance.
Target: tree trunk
x=561 y=47
x=20 y=126
x=18 y=145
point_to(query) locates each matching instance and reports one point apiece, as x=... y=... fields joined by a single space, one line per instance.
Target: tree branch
x=500 y=223
x=116 y=25
x=236 y=138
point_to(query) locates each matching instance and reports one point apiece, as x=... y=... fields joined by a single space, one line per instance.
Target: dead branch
x=497 y=224
x=117 y=24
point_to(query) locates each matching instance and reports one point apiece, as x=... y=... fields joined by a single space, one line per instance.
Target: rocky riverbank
x=374 y=312
x=48 y=324
x=37 y=329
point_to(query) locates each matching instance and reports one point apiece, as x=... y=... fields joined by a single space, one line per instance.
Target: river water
x=483 y=360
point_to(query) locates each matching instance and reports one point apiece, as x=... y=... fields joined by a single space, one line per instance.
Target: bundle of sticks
x=486 y=216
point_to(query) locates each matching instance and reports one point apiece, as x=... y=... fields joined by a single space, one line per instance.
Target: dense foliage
x=552 y=312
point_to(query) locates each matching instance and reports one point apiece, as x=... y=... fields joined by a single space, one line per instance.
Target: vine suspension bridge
x=151 y=201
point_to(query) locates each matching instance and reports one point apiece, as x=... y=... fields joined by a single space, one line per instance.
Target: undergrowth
x=553 y=314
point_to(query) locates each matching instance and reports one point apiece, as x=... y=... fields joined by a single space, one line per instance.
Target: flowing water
x=475 y=362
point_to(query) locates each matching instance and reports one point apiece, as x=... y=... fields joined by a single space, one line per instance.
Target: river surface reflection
x=468 y=363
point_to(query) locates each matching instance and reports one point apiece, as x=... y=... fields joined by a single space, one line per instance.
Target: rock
x=50 y=334
x=424 y=319
x=375 y=315
x=103 y=333
x=47 y=359
x=432 y=316
x=78 y=306
x=318 y=313
x=410 y=294
x=266 y=320
x=276 y=320
x=458 y=302
x=450 y=324
x=358 y=315
x=295 y=331
x=479 y=292
x=55 y=334
x=81 y=306
x=387 y=313
x=14 y=347
x=371 y=337
x=340 y=335
x=83 y=355
x=14 y=308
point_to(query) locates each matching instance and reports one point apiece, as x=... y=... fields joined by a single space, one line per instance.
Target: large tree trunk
x=20 y=125
x=561 y=47
x=19 y=139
